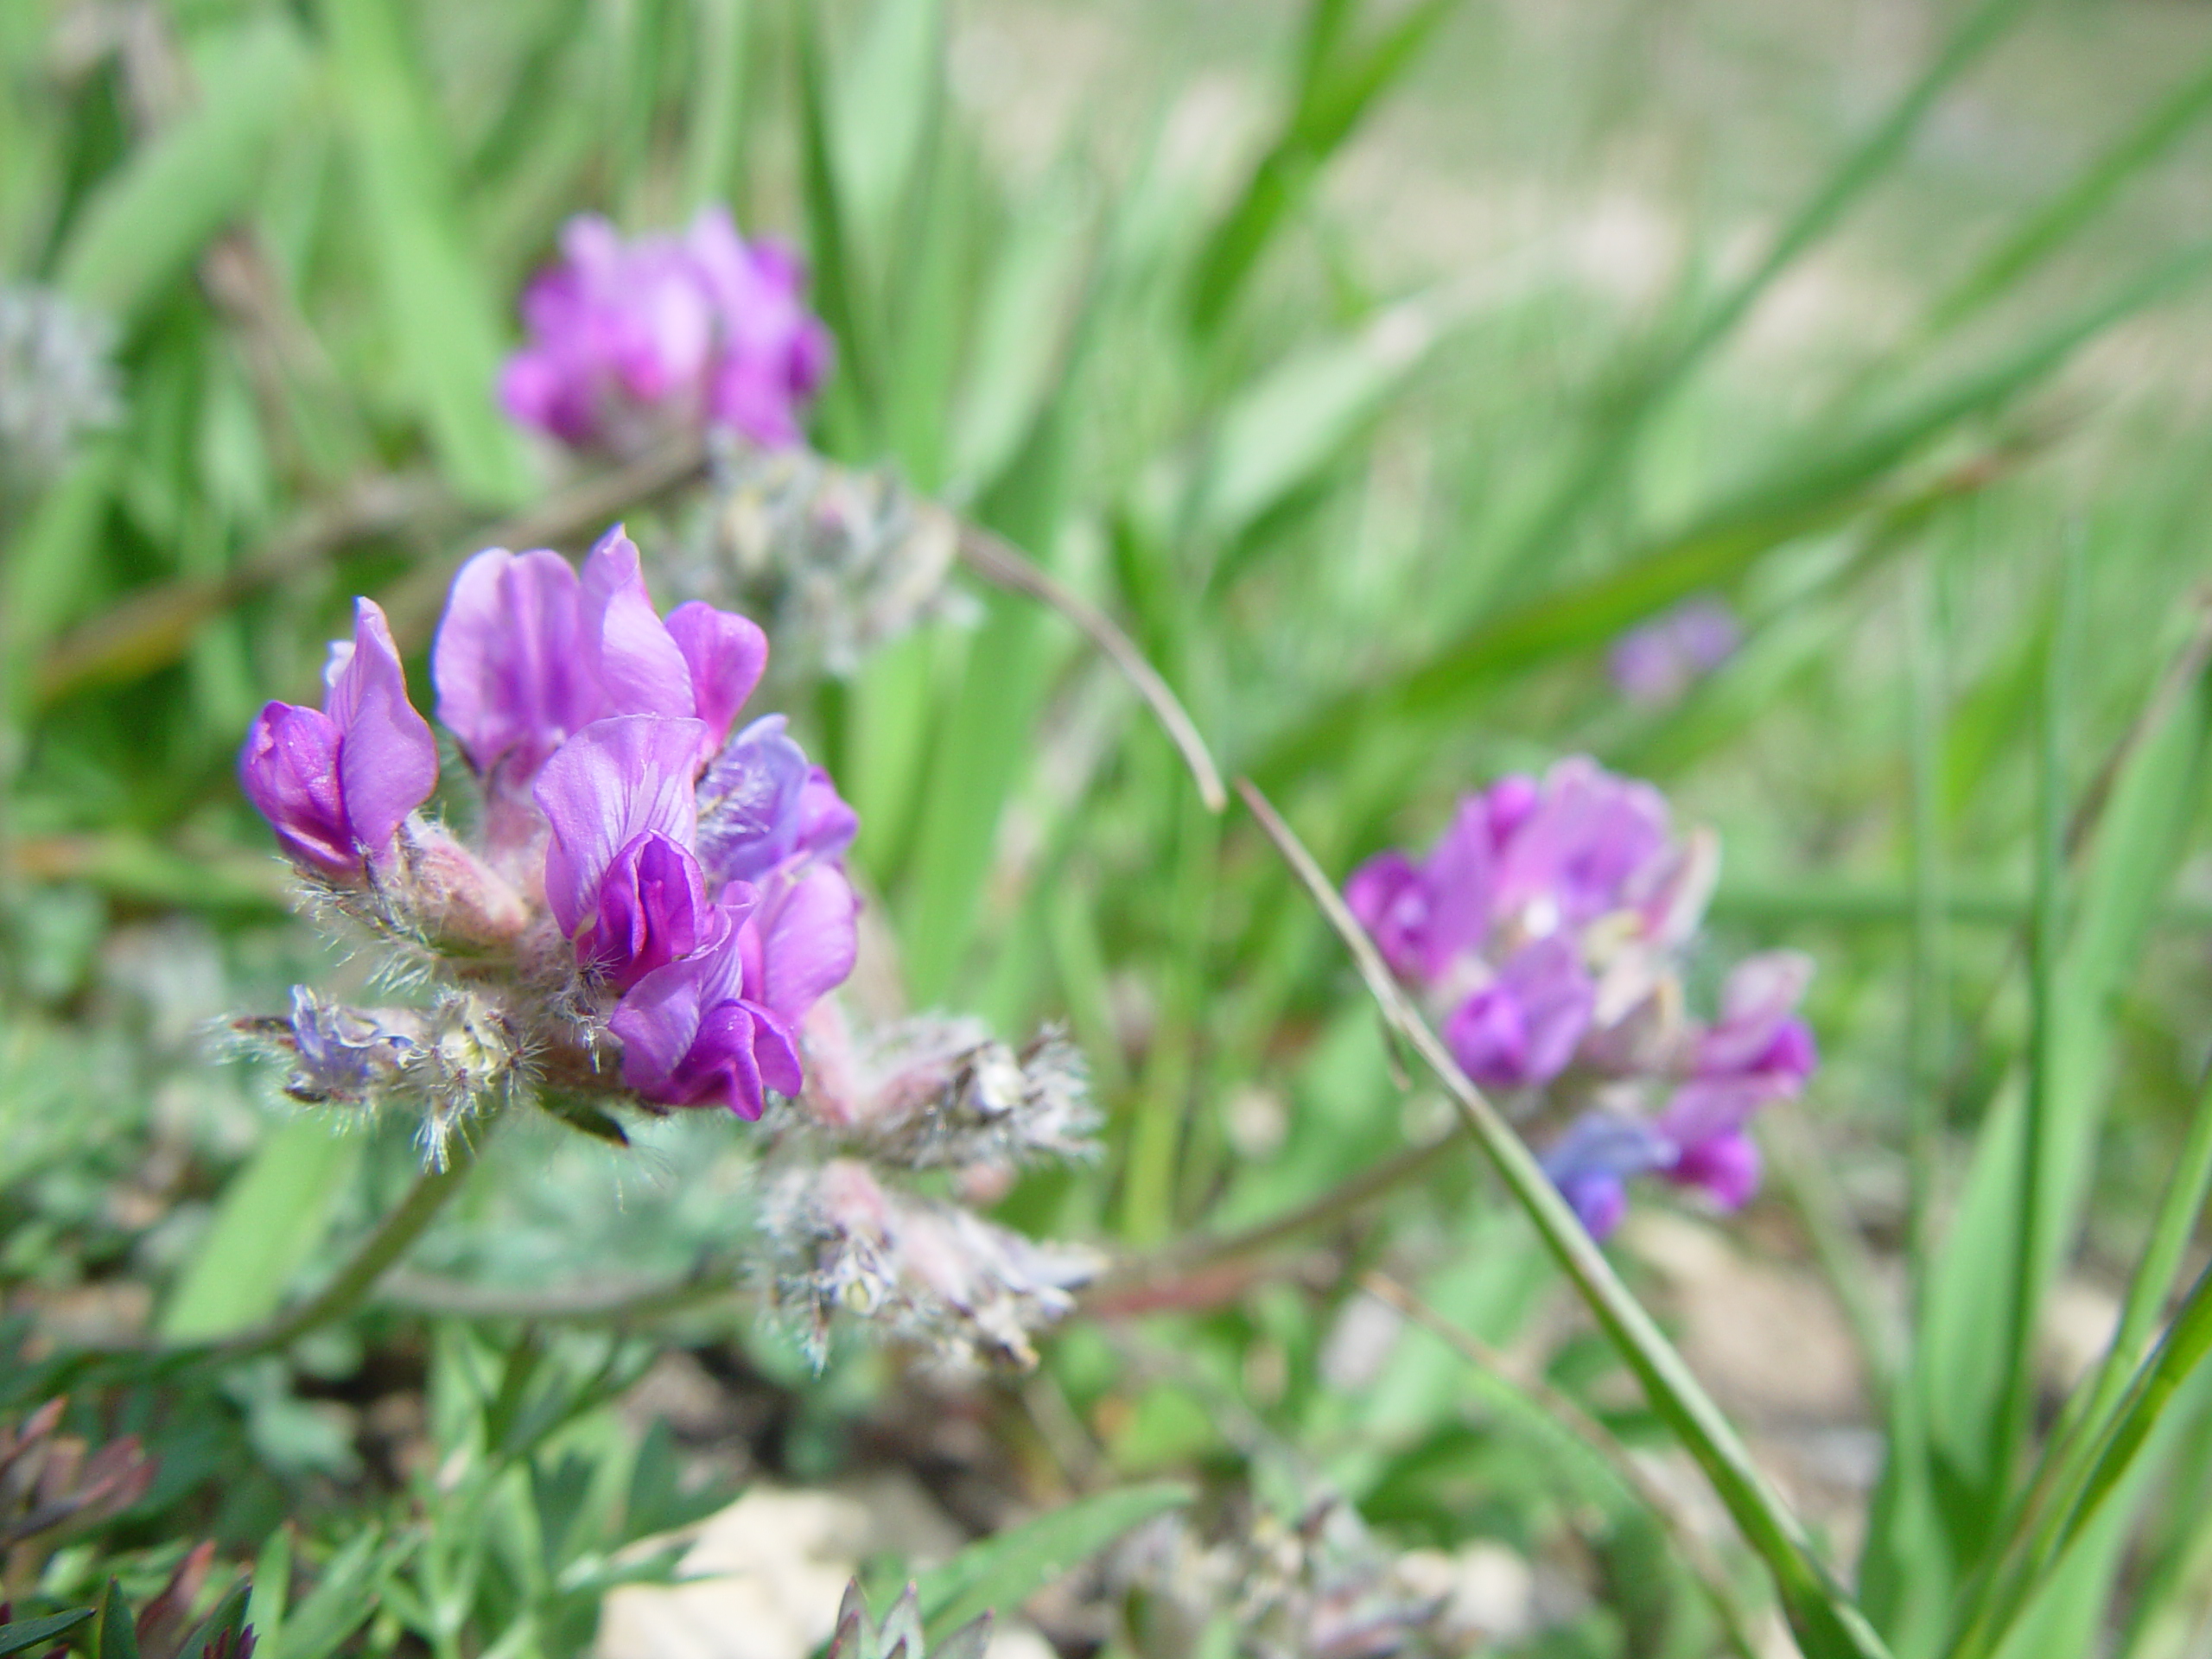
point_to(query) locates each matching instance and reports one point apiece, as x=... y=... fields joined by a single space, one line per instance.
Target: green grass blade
x=2051 y=226
x=1001 y=1573
x=1300 y=417
x=269 y=1220
x=1793 y=499
x=441 y=317
x=140 y=233
x=716 y=116
x=1827 y=1623
x=1338 y=83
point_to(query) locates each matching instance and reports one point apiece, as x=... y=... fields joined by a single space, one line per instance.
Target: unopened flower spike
x=631 y=342
x=1545 y=931
x=651 y=906
x=842 y=561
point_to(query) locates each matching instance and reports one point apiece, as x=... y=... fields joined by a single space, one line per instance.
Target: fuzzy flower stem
x=1819 y=1609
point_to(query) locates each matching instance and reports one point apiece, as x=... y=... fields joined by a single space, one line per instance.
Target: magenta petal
x=826 y=824
x=1392 y=900
x=509 y=659
x=726 y=654
x=809 y=942
x=655 y=1022
x=387 y=759
x=637 y=665
x=1727 y=1166
x=289 y=770
x=651 y=908
x=612 y=782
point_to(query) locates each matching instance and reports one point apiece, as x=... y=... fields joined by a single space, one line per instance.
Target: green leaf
x=440 y=318
x=116 y=1635
x=269 y=1220
x=35 y=1632
x=882 y=110
x=1002 y=1572
x=1300 y=417
x=147 y=222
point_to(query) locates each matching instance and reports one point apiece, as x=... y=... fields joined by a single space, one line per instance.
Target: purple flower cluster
x=630 y=340
x=1655 y=662
x=643 y=874
x=1545 y=931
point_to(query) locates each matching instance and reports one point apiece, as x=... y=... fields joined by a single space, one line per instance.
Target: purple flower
x=1593 y=1161
x=761 y=804
x=1654 y=663
x=619 y=877
x=715 y=974
x=1523 y=1026
x=1573 y=856
x=692 y=1035
x=627 y=340
x=336 y=784
x=1759 y=1052
x=531 y=652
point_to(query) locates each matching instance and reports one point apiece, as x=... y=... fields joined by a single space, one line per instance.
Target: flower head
x=1655 y=662
x=337 y=783
x=631 y=340
x=584 y=930
x=1545 y=931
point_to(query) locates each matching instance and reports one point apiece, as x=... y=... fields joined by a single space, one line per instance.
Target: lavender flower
x=1545 y=931
x=631 y=340
x=1654 y=663
x=583 y=925
x=337 y=783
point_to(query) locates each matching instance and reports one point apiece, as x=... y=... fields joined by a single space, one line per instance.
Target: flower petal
x=637 y=664
x=726 y=653
x=612 y=782
x=288 y=769
x=387 y=759
x=509 y=661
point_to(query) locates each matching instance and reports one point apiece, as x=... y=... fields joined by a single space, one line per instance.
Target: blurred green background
x=1377 y=365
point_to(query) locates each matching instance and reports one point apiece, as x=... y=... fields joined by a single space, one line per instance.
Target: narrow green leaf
x=441 y=317
x=1301 y=415
x=268 y=1221
x=716 y=116
x=882 y=110
x=1794 y=498
x=116 y=1634
x=999 y=1574
x=1023 y=328
x=26 y=1633
x=147 y=224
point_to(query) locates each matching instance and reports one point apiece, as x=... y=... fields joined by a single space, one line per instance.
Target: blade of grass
x=1827 y=1623
x=141 y=232
x=441 y=319
x=1589 y=480
x=1796 y=497
x=716 y=115
x=1532 y=1399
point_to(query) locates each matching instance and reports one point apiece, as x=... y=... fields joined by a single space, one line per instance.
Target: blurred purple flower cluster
x=629 y=341
x=1545 y=931
x=642 y=880
x=1655 y=662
